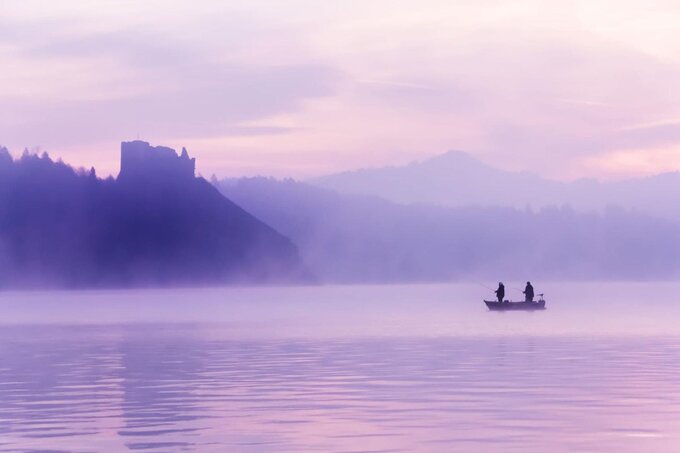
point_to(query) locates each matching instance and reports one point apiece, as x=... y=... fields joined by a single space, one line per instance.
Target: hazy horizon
x=114 y=164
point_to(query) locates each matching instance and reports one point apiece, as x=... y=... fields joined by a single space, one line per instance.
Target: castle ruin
x=139 y=159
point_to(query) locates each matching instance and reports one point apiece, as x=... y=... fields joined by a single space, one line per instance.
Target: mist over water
x=364 y=368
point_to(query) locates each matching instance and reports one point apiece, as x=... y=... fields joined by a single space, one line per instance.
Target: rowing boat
x=510 y=305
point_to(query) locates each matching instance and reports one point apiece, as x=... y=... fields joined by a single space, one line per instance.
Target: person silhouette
x=500 y=292
x=529 y=293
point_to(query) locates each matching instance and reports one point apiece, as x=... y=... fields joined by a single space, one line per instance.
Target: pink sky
x=303 y=88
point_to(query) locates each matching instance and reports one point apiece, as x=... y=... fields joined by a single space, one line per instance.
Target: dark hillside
x=156 y=224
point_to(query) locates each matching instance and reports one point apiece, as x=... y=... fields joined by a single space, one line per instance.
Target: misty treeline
x=61 y=227
x=353 y=238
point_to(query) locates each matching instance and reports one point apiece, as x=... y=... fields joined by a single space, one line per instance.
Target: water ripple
x=123 y=388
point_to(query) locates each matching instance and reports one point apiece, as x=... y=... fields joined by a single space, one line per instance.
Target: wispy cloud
x=168 y=88
x=537 y=85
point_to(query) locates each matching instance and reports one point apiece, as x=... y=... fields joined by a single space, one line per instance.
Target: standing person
x=529 y=293
x=500 y=292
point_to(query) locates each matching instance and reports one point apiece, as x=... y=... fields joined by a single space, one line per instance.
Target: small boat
x=508 y=305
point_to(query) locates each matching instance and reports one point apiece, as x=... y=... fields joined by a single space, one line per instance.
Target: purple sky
x=302 y=88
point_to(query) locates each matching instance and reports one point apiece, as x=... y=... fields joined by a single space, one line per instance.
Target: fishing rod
x=490 y=289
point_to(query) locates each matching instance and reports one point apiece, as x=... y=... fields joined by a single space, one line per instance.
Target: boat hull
x=510 y=306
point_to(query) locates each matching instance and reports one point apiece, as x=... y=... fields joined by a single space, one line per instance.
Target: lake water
x=346 y=369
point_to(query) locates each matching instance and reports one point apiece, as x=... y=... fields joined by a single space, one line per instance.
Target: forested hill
x=156 y=224
x=353 y=238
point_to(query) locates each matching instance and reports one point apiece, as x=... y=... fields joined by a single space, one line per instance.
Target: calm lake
x=341 y=369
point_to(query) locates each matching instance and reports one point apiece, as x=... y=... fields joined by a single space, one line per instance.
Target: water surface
x=394 y=368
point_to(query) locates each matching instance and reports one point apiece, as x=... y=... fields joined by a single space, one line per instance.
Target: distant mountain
x=458 y=179
x=354 y=238
x=156 y=224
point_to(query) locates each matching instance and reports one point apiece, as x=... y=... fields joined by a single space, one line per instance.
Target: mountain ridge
x=456 y=178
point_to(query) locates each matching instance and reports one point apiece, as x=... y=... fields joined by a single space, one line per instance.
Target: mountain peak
x=454 y=158
x=455 y=154
x=452 y=178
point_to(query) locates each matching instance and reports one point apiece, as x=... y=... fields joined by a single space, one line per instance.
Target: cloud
x=543 y=100
x=185 y=91
x=530 y=84
x=428 y=95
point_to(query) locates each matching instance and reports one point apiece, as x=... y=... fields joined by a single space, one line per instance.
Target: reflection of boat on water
x=510 y=305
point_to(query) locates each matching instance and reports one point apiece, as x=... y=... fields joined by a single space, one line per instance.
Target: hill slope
x=157 y=225
x=352 y=238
